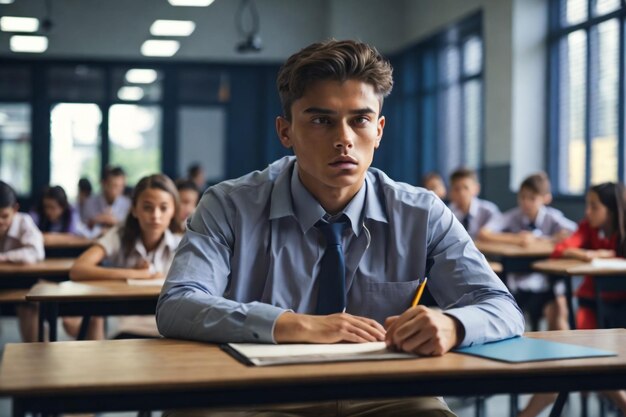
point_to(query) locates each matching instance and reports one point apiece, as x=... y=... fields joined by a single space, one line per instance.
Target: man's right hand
x=334 y=328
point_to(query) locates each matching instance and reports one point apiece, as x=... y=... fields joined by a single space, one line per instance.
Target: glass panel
x=136 y=84
x=429 y=70
x=203 y=86
x=601 y=7
x=472 y=56
x=135 y=140
x=15 y=146
x=76 y=83
x=74 y=145
x=472 y=106
x=202 y=133
x=450 y=147
x=573 y=12
x=449 y=65
x=15 y=82
x=572 y=79
x=604 y=105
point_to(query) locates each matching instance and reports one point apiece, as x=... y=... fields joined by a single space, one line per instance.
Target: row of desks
x=157 y=374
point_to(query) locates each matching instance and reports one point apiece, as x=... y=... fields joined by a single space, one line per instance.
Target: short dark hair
x=463 y=173
x=8 y=197
x=113 y=172
x=432 y=175
x=538 y=183
x=84 y=185
x=333 y=60
x=194 y=169
x=184 y=184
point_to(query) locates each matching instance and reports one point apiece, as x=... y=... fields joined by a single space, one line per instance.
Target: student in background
x=110 y=207
x=530 y=221
x=20 y=242
x=54 y=214
x=434 y=182
x=195 y=173
x=601 y=234
x=189 y=196
x=84 y=193
x=142 y=248
x=472 y=212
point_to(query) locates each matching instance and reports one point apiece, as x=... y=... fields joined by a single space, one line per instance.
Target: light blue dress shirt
x=549 y=222
x=251 y=252
x=480 y=213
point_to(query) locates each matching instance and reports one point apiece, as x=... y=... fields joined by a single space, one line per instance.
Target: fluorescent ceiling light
x=34 y=44
x=159 y=48
x=130 y=93
x=141 y=76
x=193 y=3
x=19 y=24
x=172 y=28
x=6 y=1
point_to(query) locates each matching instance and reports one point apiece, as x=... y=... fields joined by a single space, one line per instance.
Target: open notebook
x=267 y=354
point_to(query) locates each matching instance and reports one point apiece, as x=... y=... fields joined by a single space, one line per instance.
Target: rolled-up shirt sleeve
x=27 y=244
x=192 y=303
x=466 y=287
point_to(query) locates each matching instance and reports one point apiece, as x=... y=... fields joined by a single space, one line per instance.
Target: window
x=586 y=107
x=451 y=97
x=74 y=145
x=15 y=146
x=135 y=140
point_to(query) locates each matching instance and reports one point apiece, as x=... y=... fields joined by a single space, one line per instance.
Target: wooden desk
x=605 y=279
x=117 y=375
x=515 y=258
x=90 y=298
x=61 y=245
x=25 y=275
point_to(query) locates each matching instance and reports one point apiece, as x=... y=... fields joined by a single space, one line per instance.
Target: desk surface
x=570 y=267
x=65 y=241
x=165 y=365
x=537 y=249
x=91 y=290
x=556 y=266
x=47 y=267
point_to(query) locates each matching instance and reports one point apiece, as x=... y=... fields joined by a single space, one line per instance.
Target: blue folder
x=526 y=349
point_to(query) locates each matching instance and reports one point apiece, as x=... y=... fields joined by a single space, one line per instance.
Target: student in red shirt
x=601 y=234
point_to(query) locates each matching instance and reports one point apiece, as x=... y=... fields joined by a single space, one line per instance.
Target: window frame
x=558 y=32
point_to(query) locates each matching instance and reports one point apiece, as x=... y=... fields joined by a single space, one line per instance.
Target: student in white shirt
x=111 y=206
x=20 y=242
x=532 y=220
x=142 y=248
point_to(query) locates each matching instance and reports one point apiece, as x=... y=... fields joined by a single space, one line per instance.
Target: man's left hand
x=423 y=331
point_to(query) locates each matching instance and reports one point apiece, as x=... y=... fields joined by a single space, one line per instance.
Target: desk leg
x=513 y=405
x=53 y=316
x=569 y=294
x=41 y=326
x=18 y=409
x=84 y=326
x=557 y=408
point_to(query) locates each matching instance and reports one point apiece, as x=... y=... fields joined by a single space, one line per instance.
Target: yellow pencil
x=418 y=293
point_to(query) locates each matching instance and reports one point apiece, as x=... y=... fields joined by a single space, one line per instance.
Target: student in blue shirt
x=530 y=221
x=254 y=265
x=472 y=212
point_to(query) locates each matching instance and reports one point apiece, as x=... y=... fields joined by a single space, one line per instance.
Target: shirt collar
x=14 y=228
x=291 y=198
x=168 y=242
x=541 y=215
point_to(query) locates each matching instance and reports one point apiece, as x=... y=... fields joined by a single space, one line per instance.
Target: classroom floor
x=497 y=405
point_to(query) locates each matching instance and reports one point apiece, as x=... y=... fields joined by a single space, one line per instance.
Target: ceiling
x=115 y=29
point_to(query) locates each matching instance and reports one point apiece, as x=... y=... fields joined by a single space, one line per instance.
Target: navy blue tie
x=331 y=295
